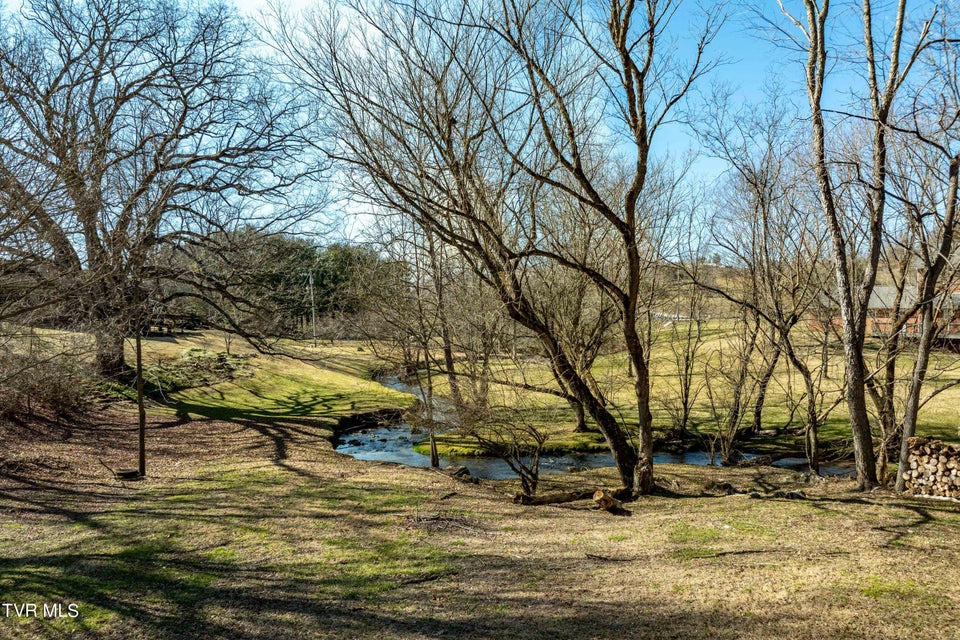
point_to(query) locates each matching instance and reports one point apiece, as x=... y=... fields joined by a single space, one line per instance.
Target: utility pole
x=141 y=409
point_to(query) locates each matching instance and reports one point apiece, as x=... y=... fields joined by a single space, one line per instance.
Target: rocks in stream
x=368 y=419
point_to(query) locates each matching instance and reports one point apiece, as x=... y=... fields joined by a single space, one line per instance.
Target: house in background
x=881 y=320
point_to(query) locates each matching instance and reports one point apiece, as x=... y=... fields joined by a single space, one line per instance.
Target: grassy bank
x=249 y=525
x=250 y=544
x=783 y=417
x=330 y=382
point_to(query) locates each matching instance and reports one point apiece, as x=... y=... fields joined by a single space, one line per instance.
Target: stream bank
x=383 y=437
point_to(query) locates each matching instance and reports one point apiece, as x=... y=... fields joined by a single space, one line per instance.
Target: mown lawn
x=318 y=546
x=253 y=527
x=330 y=382
x=781 y=413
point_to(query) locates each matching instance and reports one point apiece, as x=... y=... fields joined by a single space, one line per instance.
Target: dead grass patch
x=256 y=528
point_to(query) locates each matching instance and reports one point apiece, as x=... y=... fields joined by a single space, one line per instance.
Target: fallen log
x=552 y=498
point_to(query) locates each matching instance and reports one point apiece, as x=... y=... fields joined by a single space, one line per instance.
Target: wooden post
x=141 y=410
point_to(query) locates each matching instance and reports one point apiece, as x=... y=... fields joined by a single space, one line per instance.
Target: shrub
x=44 y=374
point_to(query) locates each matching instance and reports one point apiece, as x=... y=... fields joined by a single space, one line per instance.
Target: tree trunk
x=643 y=473
x=859 y=420
x=577 y=407
x=448 y=360
x=812 y=446
x=762 y=388
x=434 y=455
x=928 y=329
x=913 y=393
x=108 y=358
x=141 y=412
x=812 y=430
x=825 y=352
x=854 y=320
x=883 y=393
x=625 y=456
x=552 y=498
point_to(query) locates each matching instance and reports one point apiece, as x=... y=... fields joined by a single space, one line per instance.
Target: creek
x=394 y=443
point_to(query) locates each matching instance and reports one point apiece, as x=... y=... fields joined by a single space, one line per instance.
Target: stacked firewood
x=934 y=469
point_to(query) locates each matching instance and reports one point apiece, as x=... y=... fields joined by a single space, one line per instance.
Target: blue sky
x=749 y=56
x=754 y=55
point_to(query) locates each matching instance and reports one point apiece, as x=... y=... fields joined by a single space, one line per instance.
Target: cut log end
x=607 y=502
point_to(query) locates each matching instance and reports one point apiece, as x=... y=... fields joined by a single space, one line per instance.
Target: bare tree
x=583 y=319
x=403 y=310
x=513 y=438
x=418 y=140
x=730 y=381
x=127 y=127
x=886 y=66
x=774 y=241
x=931 y=204
x=575 y=65
x=686 y=333
x=485 y=124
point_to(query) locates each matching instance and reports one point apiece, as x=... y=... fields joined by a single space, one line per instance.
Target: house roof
x=884 y=295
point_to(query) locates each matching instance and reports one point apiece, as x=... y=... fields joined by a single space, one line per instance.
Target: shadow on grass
x=315 y=406
x=913 y=516
x=269 y=550
x=158 y=589
x=219 y=556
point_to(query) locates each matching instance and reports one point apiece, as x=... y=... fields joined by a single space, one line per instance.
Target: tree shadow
x=236 y=553
x=915 y=516
x=161 y=590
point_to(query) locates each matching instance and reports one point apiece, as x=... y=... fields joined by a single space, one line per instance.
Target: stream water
x=394 y=443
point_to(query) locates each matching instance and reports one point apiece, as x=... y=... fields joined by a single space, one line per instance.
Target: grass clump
x=877 y=587
x=690 y=542
x=196 y=367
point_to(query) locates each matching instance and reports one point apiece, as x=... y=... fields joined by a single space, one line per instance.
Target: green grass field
x=783 y=410
x=328 y=383
x=248 y=525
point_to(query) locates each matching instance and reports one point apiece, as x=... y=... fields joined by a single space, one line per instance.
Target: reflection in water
x=395 y=444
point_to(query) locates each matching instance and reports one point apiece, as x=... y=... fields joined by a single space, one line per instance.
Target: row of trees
x=151 y=160
x=518 y=137
x=267 y=286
